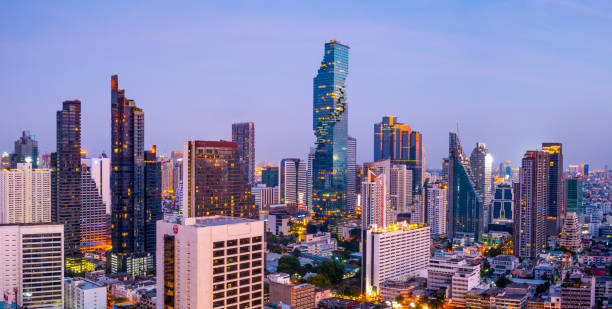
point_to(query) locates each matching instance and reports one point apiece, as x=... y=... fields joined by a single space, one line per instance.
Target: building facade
x=330 y=125
x=25 y=195
x=210 y=262
x=570 y=233
x=26 y=151
x=95 y=225
x=573 y=194
x=153 y=198
x=243 y=134
x=436 y=206
x=84 y=294
x=481 y=162
x=556 y=208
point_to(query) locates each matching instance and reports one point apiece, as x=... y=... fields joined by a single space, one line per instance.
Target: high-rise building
x=399 y=143
x=94 y=219
x=351 y=180
x=66 y=181
x=243 y=134
x=397 y=252
x=152 y=202
x=481 y=162
x=556 y=208
x=309 y=175
x=505 y=170
x=26 y=150
x=5 y=161
x=330 y=125
x=400 y=186
x=530 y=215
x=269 y=176
x=288 y=181
x=25 y=277
x=436 y=204
x=502 y=206
x=127 y=186
x=214 y=181
x=100 y=172
x=25 y=195
x=264 y=197
x=187 y=276
x=375 y=211
x=570 y=233
x=465 y=207
x=573 y=194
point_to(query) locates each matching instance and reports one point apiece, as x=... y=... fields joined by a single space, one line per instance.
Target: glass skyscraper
x=330 y=125
x=555 y=209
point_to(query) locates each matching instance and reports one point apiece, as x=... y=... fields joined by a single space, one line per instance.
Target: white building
x=456 y=275
x=84 y=294
x=293 y=182
x=570 y=233
x=38 y=282
x=264 y=197
x=208 y=262
x=400 y=188
x=100 y=173
x=318 y=244
x=436 y=206
x=504 y=264
x=375 y=211
x=394 y=253
x=25 y=195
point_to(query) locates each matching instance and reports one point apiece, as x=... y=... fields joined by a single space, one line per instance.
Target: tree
x=319 y=281
x=502 y=282
x=296 y=253
x=288 y=264
x=543 y=288
x=355 y=234
x=333 y=270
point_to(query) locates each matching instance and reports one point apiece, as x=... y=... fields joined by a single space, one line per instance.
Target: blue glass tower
x=330 y=125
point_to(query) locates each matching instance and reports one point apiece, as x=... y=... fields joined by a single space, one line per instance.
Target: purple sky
x=511 y=73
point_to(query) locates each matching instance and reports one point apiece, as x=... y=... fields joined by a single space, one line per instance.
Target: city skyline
x=447 y=77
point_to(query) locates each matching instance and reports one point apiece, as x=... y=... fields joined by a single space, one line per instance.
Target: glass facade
x=573 y=195
x=330 y=125
x=555 y=207
x=153 y=207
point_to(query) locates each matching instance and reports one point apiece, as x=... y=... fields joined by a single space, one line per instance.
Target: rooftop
x=216 y=221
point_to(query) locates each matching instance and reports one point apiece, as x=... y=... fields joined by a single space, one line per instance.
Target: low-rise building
x=317 y=244
x=578 y=292
x=511 y=301
x=298 y=296
x=84 y=294
x=504 y=264
x=453 y=274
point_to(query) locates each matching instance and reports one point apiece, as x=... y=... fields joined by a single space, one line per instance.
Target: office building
x=505 y=170
x=330 y=125
x=26 y=151
x=264 y=197
x=24 y=277
x=127 y=186
x=187 y=276
x=95 y=225
x=400 y=188
x=298 y=296
x=399 y=143
x=454 y=274
x=269 y=176
x=243 y=134
x=465 y=206
x=502 y=204
x=530 y=217
x=481 y=162
x=573 y=194
x=436 y=205
x=397 y=252
x=293 y=182
x=578 y=293
x=214 y=181
x=81 y=293
x=66 y=181
x=570 y=233
x=100 y=169
x=25 y=195
x=278 y=223
x=556 y=207
x=152 y=202
x=351 y=180
x=375 y=209
x=309 y=175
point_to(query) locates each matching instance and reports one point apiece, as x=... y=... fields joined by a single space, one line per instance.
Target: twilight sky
x=511 y=73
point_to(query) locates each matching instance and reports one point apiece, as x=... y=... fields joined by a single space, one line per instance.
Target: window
x=256 y=239
x=231 y=243
x=245 y=241
x=218 y=244
x=218 y=262
x=232 y=251
x=218 y=278
x=244 y=249
x=217 y=270
x=244 y=274
x=218 y=253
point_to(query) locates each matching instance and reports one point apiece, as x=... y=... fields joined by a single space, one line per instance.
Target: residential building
x=454 y=274
x=481 y=162
x=298 y=296
x=293 y=182
x=570 y=234
x=395 y=252
x=320 y=243
x=511 y=301
x=400 y=188
x=502 y=204
x=26 y=151
x=351 y=176
x=530 y=219
x=153 y=198
x=330 y=125
x=25 y=195
x=264 y=197
x=504 y=264
x=95 y=223
x=100 y=169
x=187 y=276
x=436 y=207
x=37 y=283
x=578 y=292
x=556 y=208
x=573 y=194
x=243 y=133
x=214 y=181
x=66 y=181
x=84 y=294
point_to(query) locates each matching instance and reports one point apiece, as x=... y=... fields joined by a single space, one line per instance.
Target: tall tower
x=375 y=209
x=94 y=220
x=573 y=194
x=214 y=181
x=465 y=211
x=288 y=180
x=330 y=125
x=399 y=143
x=25 y=147
x=351 y=180
x=127 y=185
x=66 y=178
x=243 y=133
x=530 y=213
x=481 y=162
x=556 y=207
x=152 y=202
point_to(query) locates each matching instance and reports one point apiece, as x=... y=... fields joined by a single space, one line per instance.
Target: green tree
x=333 y=270
x=319 y=281
x=296 y=253
x=288 y=264
x=502 y=282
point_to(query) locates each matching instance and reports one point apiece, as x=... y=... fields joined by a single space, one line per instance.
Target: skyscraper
x=288 y=180
x=436 y=204
x=100 y=172
x=330 y=125
x=573 y=194
x=570 y=233
x=66 y=178
x=555 y=209
x=401 y=189
x=351 y=180
x=25 y=147
x=375 y=211
x=502 y=205
x=530 y=213
x=214 y=181
x=127 y=185
x=482 y=163
x=269 y=176
x=152 y=202
x=399 y=143
x=25 y=195
x=94 y=220
x=243 y=133
x=465 y=210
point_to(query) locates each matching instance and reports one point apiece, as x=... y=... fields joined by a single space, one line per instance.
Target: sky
x=511 y=74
